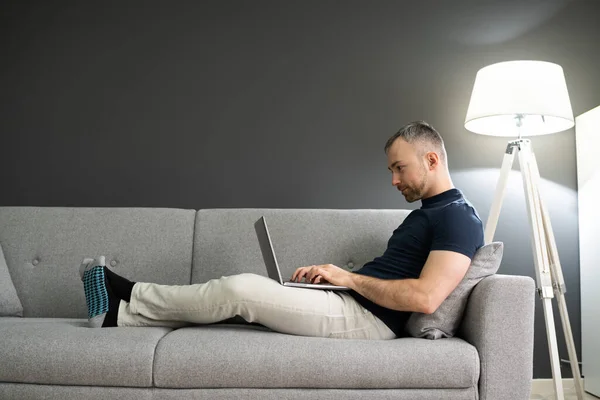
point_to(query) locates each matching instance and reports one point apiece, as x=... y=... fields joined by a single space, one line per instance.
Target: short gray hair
x=421 y=132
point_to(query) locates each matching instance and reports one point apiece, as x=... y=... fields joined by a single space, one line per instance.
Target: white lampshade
x=535 y=90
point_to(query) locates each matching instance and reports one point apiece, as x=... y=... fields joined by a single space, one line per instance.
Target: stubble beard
x=414 y=194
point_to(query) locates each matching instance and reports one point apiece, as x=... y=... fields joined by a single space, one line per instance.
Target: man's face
x=409 y=174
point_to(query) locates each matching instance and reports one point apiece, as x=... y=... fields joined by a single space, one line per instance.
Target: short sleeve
x=457 y=228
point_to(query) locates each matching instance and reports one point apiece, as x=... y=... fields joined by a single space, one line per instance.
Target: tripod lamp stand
x=528 y=98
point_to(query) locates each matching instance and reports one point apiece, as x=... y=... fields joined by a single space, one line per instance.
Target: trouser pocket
x=361 y=333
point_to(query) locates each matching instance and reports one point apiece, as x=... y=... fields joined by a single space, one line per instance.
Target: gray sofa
x=50 y=353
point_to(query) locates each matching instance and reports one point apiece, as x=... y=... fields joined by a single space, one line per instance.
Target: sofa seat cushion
x=67 y=352
x=237 y=356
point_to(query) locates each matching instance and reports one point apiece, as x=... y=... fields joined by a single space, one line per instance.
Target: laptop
x=266 y=247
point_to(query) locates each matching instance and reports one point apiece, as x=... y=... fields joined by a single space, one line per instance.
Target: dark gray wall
x=281 y=104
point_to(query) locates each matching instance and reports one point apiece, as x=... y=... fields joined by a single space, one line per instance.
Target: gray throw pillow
x=444 y=322
x=10 y=305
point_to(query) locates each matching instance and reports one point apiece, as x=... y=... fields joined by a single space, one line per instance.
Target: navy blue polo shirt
x=446 y=221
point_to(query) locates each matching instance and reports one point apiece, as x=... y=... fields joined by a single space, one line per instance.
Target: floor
x=545 y=391
x=568 y=396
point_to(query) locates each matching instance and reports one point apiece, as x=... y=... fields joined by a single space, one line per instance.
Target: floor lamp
x=527 y=98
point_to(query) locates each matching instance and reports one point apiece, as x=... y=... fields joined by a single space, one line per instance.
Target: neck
x=439 y=185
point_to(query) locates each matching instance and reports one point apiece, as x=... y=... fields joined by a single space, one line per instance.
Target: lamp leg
x=553 y=348
x=540 y=257
x=564 y=315
x=559 y=288
x=492 y=221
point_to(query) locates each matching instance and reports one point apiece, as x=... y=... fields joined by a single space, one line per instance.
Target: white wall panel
x=587 y=136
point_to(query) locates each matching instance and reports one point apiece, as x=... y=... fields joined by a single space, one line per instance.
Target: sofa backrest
x=225 y=242
x=44 y=247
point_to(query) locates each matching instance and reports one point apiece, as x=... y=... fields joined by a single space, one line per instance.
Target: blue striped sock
x=96 y=294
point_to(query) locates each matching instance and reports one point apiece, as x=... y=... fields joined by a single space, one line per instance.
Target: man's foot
x=102 y=304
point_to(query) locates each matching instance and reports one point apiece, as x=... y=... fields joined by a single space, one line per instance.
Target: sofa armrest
x=498 y=321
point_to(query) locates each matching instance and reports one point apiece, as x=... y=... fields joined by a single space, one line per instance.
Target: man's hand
x=326 y=273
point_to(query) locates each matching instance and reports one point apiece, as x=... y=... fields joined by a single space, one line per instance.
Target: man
x=427 y=256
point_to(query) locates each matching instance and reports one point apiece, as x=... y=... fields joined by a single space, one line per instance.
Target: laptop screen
x=266 y=248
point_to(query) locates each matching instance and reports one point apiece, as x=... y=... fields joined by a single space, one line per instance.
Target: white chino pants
x=256 y=298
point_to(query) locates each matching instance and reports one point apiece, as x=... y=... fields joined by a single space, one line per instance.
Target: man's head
x=417 y=159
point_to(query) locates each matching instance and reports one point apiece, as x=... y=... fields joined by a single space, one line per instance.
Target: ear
x=432 y=159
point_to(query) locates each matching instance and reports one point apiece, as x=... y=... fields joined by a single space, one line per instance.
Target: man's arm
x=442 y=272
